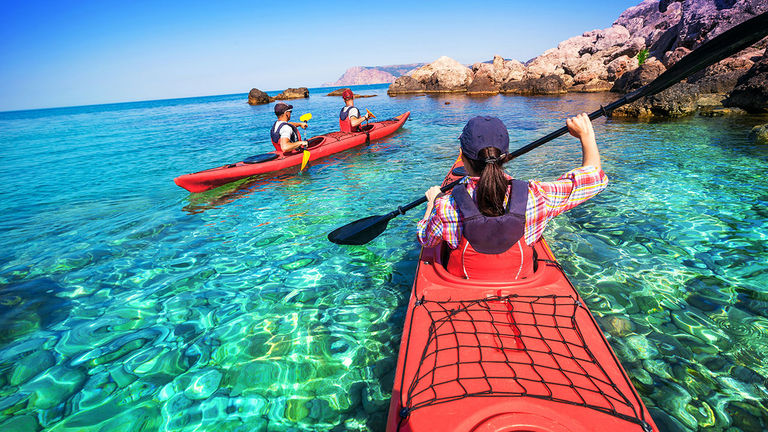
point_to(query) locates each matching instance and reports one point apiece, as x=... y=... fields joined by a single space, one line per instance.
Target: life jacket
x=345 y=124
x=274 y=133
x=492 y=248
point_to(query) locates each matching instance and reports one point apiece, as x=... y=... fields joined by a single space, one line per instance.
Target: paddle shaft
x=402 y=209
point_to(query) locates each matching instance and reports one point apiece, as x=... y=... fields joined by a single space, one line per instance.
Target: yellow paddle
x=305 y=157
x=370 y=114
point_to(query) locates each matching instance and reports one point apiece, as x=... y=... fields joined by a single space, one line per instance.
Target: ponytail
x=492 y=187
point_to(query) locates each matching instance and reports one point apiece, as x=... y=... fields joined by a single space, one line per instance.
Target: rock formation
x=609 y=59
x=672 y=35
x=257 y=97
x=341 y=90
x=293 y=93
x=444 y=75
x=360 y=75
x=751 y=91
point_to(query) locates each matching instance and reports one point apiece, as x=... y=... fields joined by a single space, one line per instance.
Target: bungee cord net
x=511 y=346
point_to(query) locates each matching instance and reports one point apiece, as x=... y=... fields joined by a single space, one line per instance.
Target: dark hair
x=493 y=184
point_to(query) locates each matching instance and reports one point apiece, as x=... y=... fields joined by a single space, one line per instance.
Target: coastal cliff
x=361 y=75
x=640 y=45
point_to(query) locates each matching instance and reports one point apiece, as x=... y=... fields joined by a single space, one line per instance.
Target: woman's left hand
x=432 y=193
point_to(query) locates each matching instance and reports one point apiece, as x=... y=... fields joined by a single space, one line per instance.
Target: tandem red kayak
x=319 y=147
x=523 y=355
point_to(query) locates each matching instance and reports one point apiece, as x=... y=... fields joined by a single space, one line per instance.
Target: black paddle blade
x=360 y=231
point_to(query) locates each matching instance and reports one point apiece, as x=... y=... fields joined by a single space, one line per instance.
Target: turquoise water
x=127 y=304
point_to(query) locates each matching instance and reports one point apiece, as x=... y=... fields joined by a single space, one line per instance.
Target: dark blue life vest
x=345 y=125
x=275 y=134
x=493 y=235
x=492 y=248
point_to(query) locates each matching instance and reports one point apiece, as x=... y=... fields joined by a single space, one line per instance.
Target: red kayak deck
x=319 y=147
x=507 y=356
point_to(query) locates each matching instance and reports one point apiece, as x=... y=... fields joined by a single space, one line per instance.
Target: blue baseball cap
x=482 y=132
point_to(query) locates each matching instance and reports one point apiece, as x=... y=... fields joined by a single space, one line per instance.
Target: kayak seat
x=445 y=252
x=314 y=142
x=260 y=158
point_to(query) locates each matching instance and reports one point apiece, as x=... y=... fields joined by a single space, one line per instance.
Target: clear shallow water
x=128 y=304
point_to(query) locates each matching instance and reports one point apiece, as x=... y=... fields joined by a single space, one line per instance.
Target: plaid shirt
x=545 y=201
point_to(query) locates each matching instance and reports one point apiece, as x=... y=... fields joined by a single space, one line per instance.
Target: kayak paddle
x=305 y=157
x=728 y=43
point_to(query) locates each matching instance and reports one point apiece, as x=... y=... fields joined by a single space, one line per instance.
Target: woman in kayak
x=490 y=222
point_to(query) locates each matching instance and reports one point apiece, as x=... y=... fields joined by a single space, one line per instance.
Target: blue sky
x=65 y=53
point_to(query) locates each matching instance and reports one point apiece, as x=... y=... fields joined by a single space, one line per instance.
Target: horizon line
x=170 y=99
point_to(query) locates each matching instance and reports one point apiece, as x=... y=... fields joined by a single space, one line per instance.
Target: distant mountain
x=359 y=75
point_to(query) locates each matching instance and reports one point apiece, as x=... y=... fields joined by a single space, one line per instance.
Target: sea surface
x=128 y=304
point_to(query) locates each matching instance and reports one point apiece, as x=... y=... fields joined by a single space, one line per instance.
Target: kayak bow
x=523 y=355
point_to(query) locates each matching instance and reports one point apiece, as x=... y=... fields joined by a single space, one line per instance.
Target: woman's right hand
x=580 y=126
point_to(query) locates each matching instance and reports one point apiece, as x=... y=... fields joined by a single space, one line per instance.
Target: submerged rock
x=257 y=97
x=31 y=366
x=759 y=134
x=21 y=423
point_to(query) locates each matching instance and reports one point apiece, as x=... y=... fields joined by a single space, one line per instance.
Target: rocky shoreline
x=643 y=42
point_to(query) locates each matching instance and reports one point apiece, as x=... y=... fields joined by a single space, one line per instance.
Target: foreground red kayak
x=522 y=355
x=319 y=147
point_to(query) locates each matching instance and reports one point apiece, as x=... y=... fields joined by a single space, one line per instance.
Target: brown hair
x=493 y=184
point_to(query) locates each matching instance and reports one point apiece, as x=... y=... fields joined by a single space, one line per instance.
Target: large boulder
x=257 y=97
x=293 y=93
x=674 y=56
x=723 y=76
x=593 y=86
x=444 y=75
x=551 y=84
x=751 y=91
x=677 y=101
x=647 y=22
x=619 y=66
x=500 y=70
x=631 y=81
x=483 y=84
x=703 y=20
x=405 y=85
